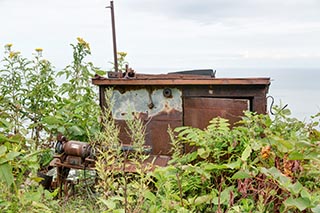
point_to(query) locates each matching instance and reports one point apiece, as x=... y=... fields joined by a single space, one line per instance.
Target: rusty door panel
x=199 y=111
x=157 y=131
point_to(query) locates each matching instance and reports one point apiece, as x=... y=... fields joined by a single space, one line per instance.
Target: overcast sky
x=238 y=38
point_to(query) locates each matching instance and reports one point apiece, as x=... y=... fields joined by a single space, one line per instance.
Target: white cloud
x=166 y=35
x=210 y=11
x=176 y=33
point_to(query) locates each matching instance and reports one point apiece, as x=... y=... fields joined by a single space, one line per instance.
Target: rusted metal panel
x=225 y=90
x=159 y=108
x=174 y=79
x=144 y=101
x=259 y=104
x=157 y=131
x=102 y=98
x=255 y=93
x=199 y=111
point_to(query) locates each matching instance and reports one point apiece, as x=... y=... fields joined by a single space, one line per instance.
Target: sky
x=238 y=38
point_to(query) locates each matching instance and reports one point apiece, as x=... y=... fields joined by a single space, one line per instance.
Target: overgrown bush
x=261 y=165
x=33 y=110
x=22 y=109
x=123 y=173
x=77 y=110
x=19 y=182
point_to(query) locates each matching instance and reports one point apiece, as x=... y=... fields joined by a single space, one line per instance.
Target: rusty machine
x=70 y=155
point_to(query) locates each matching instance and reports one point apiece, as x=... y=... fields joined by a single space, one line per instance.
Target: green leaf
x=203 y=153
x=256 y=145
x=51 y=120
x=75 y=130
x=295 y=188
x=225 y=195
x=61 y=129
x=296 y=155
x=100 y=72
x=300 y=203
x=6 y=174
x=39 y=205
x=4 y=123
x=283 y=180
x=150 y=196
x=303 y=144
x=189 y=157
x=241 y=175
x=182 y=128
x=3 y=150
x=33 y=196
x=109 y=203
x=12 y=155
x=11 y=139
x=212 y=166
x=202 y=199
x=312 y=155
x=286 y=112
x=246 y=153
x=119 y=211
x=54 y=193
x=234 y=165
x=304 y=193
x=287 y=145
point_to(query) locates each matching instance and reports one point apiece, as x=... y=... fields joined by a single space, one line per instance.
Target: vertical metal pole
x=114 y=37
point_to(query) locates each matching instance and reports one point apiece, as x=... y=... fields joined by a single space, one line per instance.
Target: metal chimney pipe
x=114 y=37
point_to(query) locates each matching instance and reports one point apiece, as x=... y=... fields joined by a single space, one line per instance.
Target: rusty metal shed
x=180 y=99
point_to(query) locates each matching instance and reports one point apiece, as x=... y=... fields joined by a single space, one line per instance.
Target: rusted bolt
x=150 y=105
x=167 y=93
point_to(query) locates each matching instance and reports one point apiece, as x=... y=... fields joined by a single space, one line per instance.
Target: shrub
x=261 y=165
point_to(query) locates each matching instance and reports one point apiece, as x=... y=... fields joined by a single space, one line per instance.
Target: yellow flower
x=122 y=54
x=44 y=62
x=8 y=45
x=39 y=49
x=13 y=54
x=81 y=41
x=87 y=45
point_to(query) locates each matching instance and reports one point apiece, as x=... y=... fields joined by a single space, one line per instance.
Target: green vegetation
x=33 y=110
x=262 y=164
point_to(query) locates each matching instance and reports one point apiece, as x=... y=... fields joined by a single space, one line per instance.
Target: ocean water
x=299 y=88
